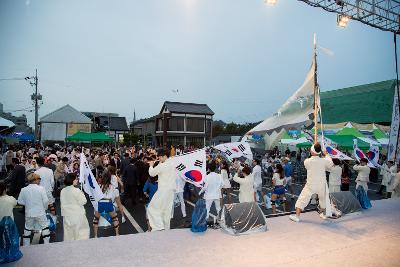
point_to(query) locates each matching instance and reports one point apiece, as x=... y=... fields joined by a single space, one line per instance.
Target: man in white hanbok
x=160 y=207
x=76 y=226
x=316 y=181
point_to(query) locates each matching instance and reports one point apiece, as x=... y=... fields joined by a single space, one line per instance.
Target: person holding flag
x=316 y=181
x=160 y=208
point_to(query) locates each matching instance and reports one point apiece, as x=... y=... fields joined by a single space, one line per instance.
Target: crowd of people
x=37 y=176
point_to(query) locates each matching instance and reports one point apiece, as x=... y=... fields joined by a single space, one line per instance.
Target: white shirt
x=335 y=175
x=72 y=200
x=246 y=191
x=257 y=176
x=114 y=181
x=278 y=180
x=35 y=200
x=47 y=178
x=363 y=173
x=316 y=168
x=166 y=175
x=7 y=204
x=225 y=179
x=213 y=183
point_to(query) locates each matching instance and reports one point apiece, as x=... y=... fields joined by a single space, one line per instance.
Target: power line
x=12 y=79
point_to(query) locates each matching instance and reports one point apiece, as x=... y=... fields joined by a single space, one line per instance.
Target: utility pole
x=35 y=97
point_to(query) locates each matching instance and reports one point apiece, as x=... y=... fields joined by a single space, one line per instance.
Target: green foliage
x=232 y=128
x=131 y=138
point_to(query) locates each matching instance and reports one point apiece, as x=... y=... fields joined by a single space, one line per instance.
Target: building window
x=176 y=124
x=194 y=124
x=195 y=141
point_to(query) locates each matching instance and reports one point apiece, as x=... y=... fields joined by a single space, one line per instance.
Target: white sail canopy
x=296 y=111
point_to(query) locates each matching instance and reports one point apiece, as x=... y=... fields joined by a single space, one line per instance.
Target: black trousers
x=130 y=193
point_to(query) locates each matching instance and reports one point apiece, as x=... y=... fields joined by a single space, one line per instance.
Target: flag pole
x=315 y=91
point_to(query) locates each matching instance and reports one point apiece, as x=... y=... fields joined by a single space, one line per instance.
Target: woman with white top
x=76 y=226
x=278 y=181
x=7 y=203
x=115 y=179
x=111 y=195
x=335 y=176
x=226 y=188
x=246 y=191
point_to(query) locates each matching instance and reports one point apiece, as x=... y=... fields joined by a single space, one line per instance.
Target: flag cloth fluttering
x=90 y=185
x=236 y=150
x=191 y=167
x=358 y=154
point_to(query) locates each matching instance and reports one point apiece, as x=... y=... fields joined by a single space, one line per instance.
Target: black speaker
x=345 y=201
x=243 y=218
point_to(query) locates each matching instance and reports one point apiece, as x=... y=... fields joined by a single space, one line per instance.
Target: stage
x=369 y=238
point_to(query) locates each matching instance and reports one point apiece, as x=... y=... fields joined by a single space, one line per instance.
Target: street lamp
x=342 y=20
x=271 y=2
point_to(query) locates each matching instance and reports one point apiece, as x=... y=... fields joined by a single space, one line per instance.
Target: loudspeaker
x=243 y=218
x=345 y=201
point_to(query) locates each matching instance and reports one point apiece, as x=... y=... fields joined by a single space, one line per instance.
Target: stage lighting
x=342 y=21
x=271 y=2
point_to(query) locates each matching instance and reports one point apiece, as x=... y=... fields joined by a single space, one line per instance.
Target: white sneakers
x=294 y=218
x=322 y=216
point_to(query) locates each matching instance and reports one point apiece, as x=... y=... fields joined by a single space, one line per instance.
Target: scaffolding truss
x=381 y=14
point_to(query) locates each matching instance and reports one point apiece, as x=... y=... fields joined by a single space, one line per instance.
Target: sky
x=240 y=57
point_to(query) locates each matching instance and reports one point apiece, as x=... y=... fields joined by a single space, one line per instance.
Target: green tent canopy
x=89 y=137
x=286 y=136
x=379 y=134
x=346 y=142
x=350 y=131
x=304 y=145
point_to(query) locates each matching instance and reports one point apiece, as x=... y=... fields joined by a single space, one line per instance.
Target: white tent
x=6 y=123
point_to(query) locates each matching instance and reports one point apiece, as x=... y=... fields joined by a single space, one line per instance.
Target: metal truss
x=381 y=14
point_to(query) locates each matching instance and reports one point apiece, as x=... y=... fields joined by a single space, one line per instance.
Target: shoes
x=322 y=216
x=294 y=218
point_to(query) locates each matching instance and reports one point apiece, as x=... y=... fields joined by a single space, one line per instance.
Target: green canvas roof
x=304 y=144
x=368 y=103
x=350 y=131
x=286 y=136
x=378 y=134
x=346 y=142
x=89 y=137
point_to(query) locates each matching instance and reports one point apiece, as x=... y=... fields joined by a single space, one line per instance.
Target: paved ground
x=136 y=215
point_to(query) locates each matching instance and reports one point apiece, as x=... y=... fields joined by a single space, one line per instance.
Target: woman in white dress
x=226 y=188
x=246 y=191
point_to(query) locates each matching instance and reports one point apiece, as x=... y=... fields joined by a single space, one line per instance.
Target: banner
x=191 y=167
x=236 y=150
x=295 y=112
x=358 y=154
x=90 y=185
x=394 y=141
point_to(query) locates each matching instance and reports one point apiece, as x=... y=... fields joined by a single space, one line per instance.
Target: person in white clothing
x=35 y=200
x=396 y=183
x=316 y=181
x=76 y=226
x=258 y=181
x=159 y=209
x=7 y=203
x=180 y=185
x=391 y=173
x=226 y=188
x=363 y=174
x=47 y=181
x=335 y=176
x=278 y=181
x=213 y=184
x=111 y=199
x=246 y=190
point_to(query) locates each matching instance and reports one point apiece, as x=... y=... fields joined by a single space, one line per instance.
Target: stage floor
x=370 y=238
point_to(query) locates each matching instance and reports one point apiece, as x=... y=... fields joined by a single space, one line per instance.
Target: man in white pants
x=35 y=200
x=213 y=183
x=316 y=181
x=180 y=185
x=160 y=207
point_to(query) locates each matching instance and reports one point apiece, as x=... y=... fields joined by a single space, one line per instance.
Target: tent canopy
x=6 y=123
x=89 y=137
x=346 y=142
x=304 y=145
x=379 y=134
x=350 y=131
